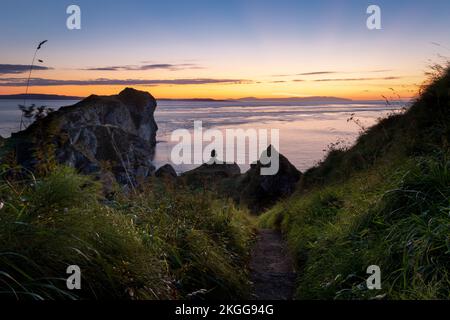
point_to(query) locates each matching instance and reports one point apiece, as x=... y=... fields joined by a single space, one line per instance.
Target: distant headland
x=318 y=99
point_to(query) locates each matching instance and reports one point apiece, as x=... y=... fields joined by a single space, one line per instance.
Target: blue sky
x=246 y=40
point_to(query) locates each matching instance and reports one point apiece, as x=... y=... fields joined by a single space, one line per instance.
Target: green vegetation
x=167 y=243
x=384 y=201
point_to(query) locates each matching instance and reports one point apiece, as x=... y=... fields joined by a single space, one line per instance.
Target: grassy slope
x=161 y=243
x=385 y=202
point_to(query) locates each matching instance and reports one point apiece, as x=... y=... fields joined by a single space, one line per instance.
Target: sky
x=223 y=49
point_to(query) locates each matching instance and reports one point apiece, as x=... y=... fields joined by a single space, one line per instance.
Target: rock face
x=166 y=171
x=114 y=133
x=211 y=174
x=258 y=192
x=224 y=170
x=262 y=191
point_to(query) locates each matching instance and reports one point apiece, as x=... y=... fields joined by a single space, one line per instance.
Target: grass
x=384 y=201
x=397 y=219
x=163 y=244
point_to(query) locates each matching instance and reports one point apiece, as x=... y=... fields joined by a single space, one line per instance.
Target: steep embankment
x=384 y=202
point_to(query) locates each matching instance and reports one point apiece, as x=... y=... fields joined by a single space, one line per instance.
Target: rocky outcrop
x=100 y=133
x=166 y=171
x=259 y=192
x=211 y=174
x=223 y=170
x=253 y=189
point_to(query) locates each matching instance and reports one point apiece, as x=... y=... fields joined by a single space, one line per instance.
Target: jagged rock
x=252 y=189
x=262 y=191
x=166 y=171
x=218 y=170
x=117 y=133
x=210 y=174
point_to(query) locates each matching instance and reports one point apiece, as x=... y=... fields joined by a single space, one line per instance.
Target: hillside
x=384 y=201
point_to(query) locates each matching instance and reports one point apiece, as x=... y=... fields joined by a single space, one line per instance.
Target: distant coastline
x=318 y=99
x=195 y=100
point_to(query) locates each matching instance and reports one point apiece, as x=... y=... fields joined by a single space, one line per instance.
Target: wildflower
x=1 y=205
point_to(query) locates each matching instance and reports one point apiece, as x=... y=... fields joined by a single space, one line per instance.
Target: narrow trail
x=272 y=268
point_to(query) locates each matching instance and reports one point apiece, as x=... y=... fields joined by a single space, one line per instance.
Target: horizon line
x=381 y=98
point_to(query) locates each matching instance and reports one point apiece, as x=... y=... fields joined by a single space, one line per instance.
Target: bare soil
x=272 y=268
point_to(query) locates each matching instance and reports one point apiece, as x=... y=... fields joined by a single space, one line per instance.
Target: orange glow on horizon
x=355 y=91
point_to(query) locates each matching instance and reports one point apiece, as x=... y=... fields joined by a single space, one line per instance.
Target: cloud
x=18 y=68
x=144 y=67
x=103 y=69
x=379 y=71
x=172 y=67
x=38 y=82
x=315 y=73
x=357 y=79
x=440 y=45
x=318 y=73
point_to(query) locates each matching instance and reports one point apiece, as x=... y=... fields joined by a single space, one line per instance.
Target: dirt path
x=271 y=266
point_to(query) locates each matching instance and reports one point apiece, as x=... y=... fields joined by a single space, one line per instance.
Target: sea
x=306 y=130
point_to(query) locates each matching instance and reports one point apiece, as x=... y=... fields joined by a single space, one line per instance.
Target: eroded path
x=271 y=266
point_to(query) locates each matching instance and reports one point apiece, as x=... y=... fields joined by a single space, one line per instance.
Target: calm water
x=305 y=131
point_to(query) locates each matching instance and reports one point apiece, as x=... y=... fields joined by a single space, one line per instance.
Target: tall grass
x=163 y=244
x=397 y=219
x=384 y=201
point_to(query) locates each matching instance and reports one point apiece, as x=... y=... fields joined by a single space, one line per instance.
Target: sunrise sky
x=223 y=49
